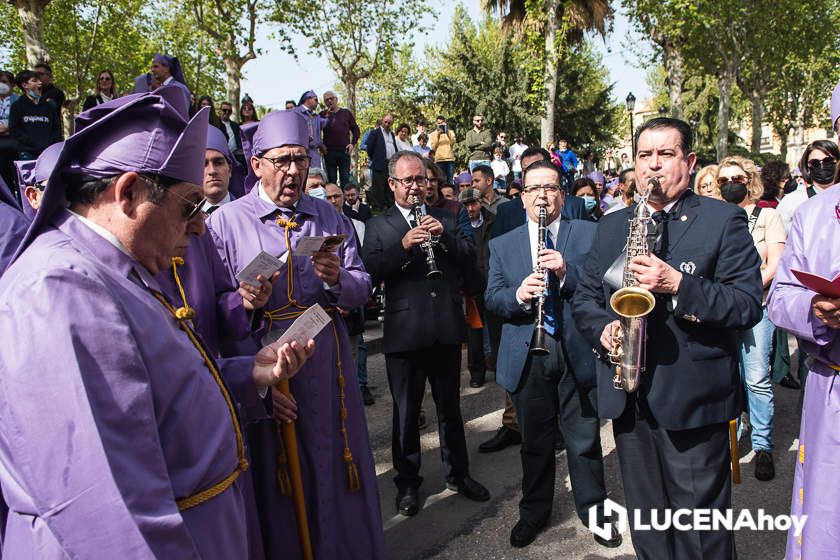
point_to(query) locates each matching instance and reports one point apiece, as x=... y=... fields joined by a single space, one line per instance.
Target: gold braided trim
x=292 y=311
x=185 y=312
x=833 y=366
x=242 y=462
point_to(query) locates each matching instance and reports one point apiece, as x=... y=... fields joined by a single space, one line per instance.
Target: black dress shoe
x=505 y=437
x=789 y=382
x=475 y=383
x=367 y=396
x=407 y=501
x=613 y=542
x=421 y=420
x=524 y=533
x=470 y=489
x=764 y=468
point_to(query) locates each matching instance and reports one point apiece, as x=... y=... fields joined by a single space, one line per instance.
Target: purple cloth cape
x=314 y=124
x=812 y=246
x=343 y=524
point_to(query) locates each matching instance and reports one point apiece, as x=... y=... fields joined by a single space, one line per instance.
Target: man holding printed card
x=809 y=307
x=338 y=474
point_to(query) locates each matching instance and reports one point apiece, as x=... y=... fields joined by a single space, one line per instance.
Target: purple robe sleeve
x=13 y=227
x=354 y=285
x=74 y=461
x=789 y=302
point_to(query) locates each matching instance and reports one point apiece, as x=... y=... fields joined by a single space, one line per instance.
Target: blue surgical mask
x=33 y=94
x=589 y=201
x=318 y=192
x=4 y=88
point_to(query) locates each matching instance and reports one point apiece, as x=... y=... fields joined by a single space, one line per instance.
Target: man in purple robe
x=338 y=471
x=815 y=320
x=129 y=443
x=314 y=124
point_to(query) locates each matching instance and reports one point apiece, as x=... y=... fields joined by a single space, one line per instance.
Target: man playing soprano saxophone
x=703 y=270
x=561 y=382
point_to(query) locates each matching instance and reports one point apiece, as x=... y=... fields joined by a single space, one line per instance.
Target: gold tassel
x=353 y=481
x=185 y=312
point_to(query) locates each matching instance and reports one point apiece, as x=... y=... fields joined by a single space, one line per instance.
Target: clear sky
x=274 y=76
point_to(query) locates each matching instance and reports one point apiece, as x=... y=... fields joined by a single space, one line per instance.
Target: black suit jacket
x=511 y=214
x=418 y=312
x=362 y=214
x=692 y=377
x=376 y=149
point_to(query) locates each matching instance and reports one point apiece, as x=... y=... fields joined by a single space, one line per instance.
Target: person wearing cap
x=338 y=472
x=814 y=319
x=315 y=123
x=128 y=466
x=424 y=326
x=33 y=176
x=166 y=70
x=560 y=383
x=463 y=180
x=481 y=220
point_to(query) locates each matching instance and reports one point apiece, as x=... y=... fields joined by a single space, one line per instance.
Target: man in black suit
x=671 y=434
x=354 y=208
x=381 y=146
x=231 y=130
x=560 y=383
x=424 y=326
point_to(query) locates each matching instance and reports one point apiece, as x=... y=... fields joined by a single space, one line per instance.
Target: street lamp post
x=631 y=105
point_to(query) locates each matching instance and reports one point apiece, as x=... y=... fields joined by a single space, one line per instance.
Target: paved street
x=451 y=527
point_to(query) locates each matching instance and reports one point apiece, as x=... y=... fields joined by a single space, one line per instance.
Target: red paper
x=823 y=286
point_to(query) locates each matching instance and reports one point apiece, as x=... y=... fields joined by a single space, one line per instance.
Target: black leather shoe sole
x=523 y=534
x=407 y=502
x=614 y=541
x=470 y=490
x=504 y=438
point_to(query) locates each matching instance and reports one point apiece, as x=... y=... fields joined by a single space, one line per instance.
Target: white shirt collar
x=168 y=80
x=104 y=233
x=408 y=213
x=477 y=223
x=208 y=204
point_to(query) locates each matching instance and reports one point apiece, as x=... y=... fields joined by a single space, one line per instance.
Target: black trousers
x=476 y=359
x=407 y=374
x=382 y=197
x=674 y=469
x=548 y=390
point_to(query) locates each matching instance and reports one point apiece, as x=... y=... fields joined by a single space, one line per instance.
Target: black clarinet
x=538 y=347
x=432 y=271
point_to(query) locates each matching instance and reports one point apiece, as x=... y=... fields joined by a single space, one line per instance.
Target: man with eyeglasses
x=704 y=274
x=340 y=139
x=424 y=326
x=479 y=142
x=560 y=383
x=50 y=93
x=142 y=431
x=338 y=471
x=234 y=141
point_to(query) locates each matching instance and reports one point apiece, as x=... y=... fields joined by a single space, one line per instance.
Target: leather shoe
x=524 y=533
x=764 y=468
x=407 y=501
x=367 y=396
x=613 y=542
x=421 y=420
x=475 y=383
x=470 y=489
x=789 y=382
x=504 y=437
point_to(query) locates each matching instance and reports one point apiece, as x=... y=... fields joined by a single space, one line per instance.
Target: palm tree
x=577 y=17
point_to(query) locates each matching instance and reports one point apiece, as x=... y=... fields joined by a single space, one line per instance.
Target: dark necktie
x=210 y=210
x=549 y=319
x=658 y=236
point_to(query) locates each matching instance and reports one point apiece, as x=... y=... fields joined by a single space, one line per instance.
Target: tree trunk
x=233 y=78
x=68 y=114
x=725 y=82
x=550 y=76
x=31 y=14
x=757 y=102
x=783 y=141
x=674 y=68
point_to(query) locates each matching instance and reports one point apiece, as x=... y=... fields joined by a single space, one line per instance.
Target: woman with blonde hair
x=705 y=182
x=740 y=183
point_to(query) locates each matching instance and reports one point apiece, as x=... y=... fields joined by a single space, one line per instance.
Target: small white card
x=308 y=246
x=264 y=263
x=305 y=327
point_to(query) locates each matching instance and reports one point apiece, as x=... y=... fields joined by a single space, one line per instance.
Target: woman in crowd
x=403 y=139
x=584 y=187
x=774 y=176
x=422 y=146
x=818 y=165
x=105 y=90
x=705 y=182
x=247 y=113
x=740 y=183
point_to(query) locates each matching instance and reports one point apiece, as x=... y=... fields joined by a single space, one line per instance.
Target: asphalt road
x=451 y=527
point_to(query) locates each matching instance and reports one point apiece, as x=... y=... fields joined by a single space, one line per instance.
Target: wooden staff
x=290 y=442
x=733 y=451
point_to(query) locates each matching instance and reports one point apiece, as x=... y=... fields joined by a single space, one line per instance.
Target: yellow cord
x=185 y=312
x=242 y=462
x=285 y=312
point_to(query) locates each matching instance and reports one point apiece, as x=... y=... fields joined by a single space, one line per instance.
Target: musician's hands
x=827 y=311
x=285 y=408
x=431 y=224
x=531 y=286
x=273 y=363
x=553 y=261
x=655 y=275
x=607 y=334
x=415 y=236
x=326 y=266
x=255 y=297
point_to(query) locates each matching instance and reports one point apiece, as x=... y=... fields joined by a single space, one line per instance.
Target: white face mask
x=4 y=88
x=318 y=192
